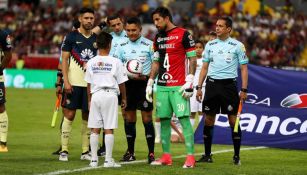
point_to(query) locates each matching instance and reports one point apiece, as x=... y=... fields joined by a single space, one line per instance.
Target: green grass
x=31 y=141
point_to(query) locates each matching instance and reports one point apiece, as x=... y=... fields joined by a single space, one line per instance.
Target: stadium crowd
x=272 y=39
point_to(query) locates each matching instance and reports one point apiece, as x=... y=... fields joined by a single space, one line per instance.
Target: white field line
x=143 y=161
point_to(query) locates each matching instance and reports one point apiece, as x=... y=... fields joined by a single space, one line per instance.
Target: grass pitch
x=31 y=141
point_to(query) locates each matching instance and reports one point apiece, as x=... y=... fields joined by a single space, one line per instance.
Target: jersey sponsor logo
x=125 y=43
x=167 y=78
x=101 y=67
x=231 y=43
x=133 y=51
x=213 y=43
x=166 y=46
x=87 y=53
x=144 y=43
x=160 y=39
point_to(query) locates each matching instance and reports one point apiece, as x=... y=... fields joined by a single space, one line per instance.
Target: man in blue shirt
x=221 y=59
x=140 y=48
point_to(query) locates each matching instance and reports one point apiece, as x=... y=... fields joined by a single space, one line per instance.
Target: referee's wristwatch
x=244 y=90
x=198 y=87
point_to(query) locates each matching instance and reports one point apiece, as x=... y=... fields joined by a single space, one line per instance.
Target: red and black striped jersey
x=171 y=50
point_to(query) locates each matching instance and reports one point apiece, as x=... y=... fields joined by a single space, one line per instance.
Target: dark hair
x=227 y=19
x=112 y=17
x=200 y=42
x=134 y=20
x=213 y=33
x=164 y=12
x=86 y=10
x=104 y=40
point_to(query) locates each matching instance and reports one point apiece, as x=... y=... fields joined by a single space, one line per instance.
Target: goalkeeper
x=173 y=46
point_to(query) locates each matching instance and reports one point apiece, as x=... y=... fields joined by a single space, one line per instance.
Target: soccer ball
x=134 y=67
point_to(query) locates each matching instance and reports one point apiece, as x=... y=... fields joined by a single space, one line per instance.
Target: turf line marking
x=143 y=161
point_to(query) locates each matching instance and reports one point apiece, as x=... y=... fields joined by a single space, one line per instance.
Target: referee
x=221 y=59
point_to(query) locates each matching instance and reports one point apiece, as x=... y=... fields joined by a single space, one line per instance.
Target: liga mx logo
x=295 y=101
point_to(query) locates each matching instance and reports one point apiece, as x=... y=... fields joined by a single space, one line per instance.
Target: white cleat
x=63 y=156
x=86 y=156
x=94 y=163
x=111 y=164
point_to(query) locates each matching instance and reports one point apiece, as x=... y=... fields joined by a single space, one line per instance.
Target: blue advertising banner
x=274 y=114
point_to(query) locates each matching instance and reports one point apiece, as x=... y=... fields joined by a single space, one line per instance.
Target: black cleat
x=236 y=160
x=206 y=158
x=57 y=152
x=151 y=158
x=101 y=152
x=128 y=157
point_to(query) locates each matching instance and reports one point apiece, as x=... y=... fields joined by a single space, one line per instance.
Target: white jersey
x=197 y=72
x=105 y=72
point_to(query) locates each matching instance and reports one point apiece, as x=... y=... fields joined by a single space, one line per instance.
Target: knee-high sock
x=65 y=136
x=207 y=135
x=150 y=136
x=85 y=134
x=166 y=134
x=130 y=135
x=188 y=134
x=236 y=139
x=158 y=129
x=94 y=140
x=109 y=139
x=4 y=124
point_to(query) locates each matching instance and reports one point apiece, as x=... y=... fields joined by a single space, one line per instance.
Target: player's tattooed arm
x=154 y=70
x=192 y=65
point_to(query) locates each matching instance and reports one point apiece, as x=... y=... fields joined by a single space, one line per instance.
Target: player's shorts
x=2 y=93
x=221 y=97
x=103 y=110
x=136 y=96
x=77 y=99
x=195 y=105
x=169 y=101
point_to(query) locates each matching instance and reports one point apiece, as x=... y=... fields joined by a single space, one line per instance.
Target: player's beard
x=87 y=26
x=162 y=28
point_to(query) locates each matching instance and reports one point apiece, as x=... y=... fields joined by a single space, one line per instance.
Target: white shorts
x=195 y=105
x=103 y=110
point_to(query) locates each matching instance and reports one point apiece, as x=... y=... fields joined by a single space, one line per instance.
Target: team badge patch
x=95 y=45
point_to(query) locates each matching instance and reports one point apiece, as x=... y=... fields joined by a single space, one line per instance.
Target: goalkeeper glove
x=187 y=88
x=149 y=90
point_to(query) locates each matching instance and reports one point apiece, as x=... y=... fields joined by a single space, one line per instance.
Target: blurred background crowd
x=274 y=32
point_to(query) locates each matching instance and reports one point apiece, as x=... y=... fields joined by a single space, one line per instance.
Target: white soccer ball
x=134 y=67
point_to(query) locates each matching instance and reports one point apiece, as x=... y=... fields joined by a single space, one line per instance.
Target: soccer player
x=173 y=47
x=222 y=57
x=78 y=47
x=140 y=48
x=6 y=56
x=115 y=22
x=105 y=76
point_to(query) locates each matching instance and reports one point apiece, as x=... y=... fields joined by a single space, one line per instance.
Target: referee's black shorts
x=136 y=96
x=221 y=96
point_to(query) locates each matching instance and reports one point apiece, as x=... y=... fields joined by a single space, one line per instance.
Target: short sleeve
x=241 y=52
x=121 y=75
x=206 y=53
x=67 y=43
x=88 y=73
x=189 y=44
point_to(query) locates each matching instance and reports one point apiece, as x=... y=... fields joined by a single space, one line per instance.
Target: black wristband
x=244 y=90
x=58 y=85
x=198 y=87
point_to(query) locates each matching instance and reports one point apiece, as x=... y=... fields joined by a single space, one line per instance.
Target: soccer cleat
x=189 y=162
x=206 y=158
x=151 y=158
x=63 y=156
x=94 y=163
x=57 y=152
x=101 y=152
x=3 y=149
x=111 y=164
x=128 y=157
x=166 y=159
x=86 y=156
x=236 y=160
x=157 y=139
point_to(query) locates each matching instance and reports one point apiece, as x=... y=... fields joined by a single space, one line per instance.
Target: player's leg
x=181 y=108
x=230 y=103
x=4 y=121
x=94 y=142
x=164 y=112
x=85 y=131
x=130 y=130
x=158 y=130
x=109 y=111
x=57 y=152
x=194 y=108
